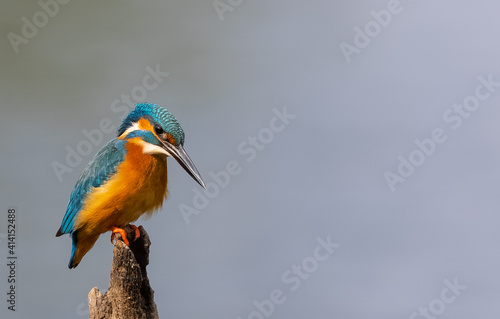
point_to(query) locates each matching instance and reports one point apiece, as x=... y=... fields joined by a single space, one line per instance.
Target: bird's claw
x=137 y=232
x=122 y=232
x=114 y=230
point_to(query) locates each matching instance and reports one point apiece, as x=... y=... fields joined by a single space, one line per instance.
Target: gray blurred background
x=231 y=66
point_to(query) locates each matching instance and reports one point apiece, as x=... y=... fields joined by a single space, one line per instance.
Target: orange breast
x=138 y=187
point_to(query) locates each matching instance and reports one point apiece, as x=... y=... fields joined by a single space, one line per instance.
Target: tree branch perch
x=129 y=295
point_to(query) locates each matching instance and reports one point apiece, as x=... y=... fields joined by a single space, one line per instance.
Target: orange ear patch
x=170 y=139
x=145 y=125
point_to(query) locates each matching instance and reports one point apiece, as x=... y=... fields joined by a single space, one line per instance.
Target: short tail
x=72 y=262
x=59 y=232
x=80 y=247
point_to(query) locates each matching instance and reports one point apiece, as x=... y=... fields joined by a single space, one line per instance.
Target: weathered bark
x=129 y=294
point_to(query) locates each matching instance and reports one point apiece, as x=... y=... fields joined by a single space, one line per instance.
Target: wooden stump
x=129 y=295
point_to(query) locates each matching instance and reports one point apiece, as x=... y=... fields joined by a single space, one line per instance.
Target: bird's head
x=159 y=132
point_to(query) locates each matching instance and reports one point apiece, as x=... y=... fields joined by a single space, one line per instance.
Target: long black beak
x=183 y=159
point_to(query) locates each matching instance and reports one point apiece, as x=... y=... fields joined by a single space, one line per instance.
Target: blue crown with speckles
x=156 y=115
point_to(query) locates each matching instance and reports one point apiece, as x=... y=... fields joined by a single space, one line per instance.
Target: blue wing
x=96 y=173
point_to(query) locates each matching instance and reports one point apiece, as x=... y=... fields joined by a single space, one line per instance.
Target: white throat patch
x=153 y=149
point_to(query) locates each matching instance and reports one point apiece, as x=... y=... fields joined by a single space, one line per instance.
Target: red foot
x=122 y=232
x=115 y=230
x=137 y=231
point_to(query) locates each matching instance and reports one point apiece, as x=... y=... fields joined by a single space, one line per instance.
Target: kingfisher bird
x=126 y=179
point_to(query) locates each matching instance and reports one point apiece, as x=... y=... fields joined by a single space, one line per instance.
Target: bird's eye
x=158 y=129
